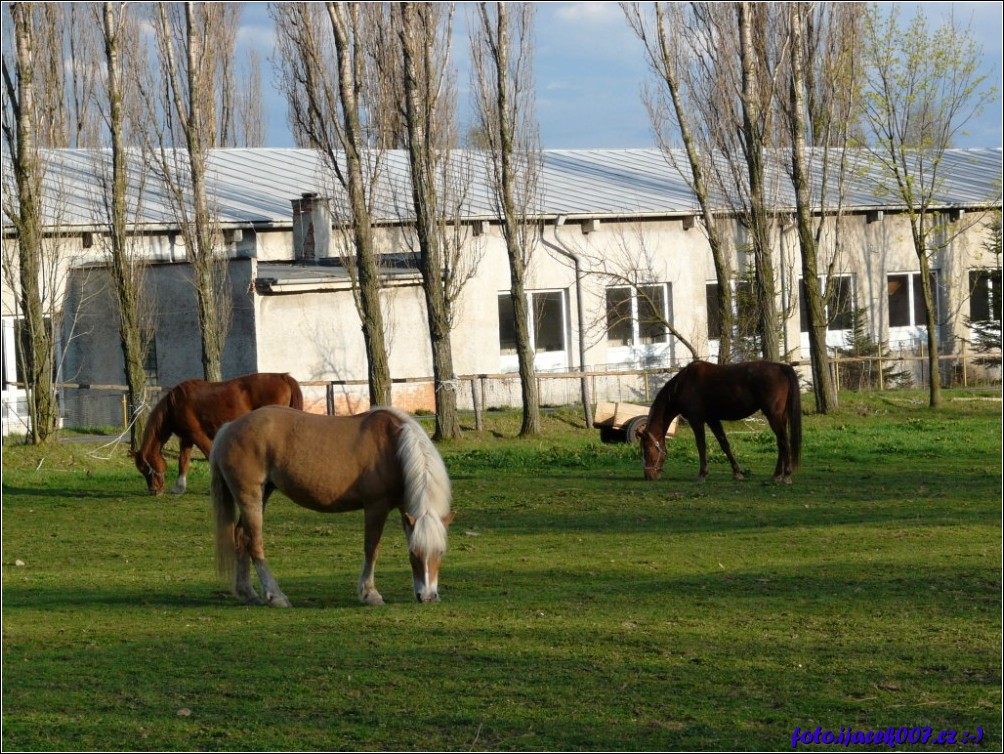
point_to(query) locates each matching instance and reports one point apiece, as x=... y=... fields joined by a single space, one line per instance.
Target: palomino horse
x=705 y=393
x=195 y=410
x=377 y=461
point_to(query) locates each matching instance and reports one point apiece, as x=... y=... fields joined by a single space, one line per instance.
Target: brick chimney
x=311 y=228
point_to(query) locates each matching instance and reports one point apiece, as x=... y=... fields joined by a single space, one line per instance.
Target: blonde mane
x=427 y=485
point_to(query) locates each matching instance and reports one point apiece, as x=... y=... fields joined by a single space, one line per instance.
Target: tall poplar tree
x=438 y=185
x=120 y=38
x=21 y=126
x=329 y=82
x=502 y=56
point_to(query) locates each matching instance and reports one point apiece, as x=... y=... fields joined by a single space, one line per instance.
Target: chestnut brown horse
x=705 y=393
x=377 y=462
x=194 y=410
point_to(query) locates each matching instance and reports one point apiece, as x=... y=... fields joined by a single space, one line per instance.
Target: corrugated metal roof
x=256 y=186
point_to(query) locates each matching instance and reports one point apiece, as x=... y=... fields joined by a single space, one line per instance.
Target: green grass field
x=583 y=608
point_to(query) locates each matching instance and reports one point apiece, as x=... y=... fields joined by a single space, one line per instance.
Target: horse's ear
x=641 y=431
x=448 y=518
x=411 y=519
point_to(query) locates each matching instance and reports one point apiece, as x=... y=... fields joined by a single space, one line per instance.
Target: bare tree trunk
x=347 y=32
x=84 y=49
x=52 y=107
x=754 y=141
x=328 y=100
x=822 y=383
x=250 y=120
x=37 y=351
x=417 y=31
x=930 y=307
x=663 y=51
x=126 y=268
x=189 y=92
x=504 y=96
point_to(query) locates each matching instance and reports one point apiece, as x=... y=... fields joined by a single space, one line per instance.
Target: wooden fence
x=89 y=405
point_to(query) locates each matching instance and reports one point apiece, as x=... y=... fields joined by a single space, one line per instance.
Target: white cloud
x=591 y=14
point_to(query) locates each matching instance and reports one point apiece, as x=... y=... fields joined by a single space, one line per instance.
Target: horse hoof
x=739 y=477
x=279 y=600
x=371 y=598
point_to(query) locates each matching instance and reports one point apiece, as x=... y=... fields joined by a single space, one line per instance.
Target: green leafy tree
x=922 y=87
x=864 y=368
x=986 y=339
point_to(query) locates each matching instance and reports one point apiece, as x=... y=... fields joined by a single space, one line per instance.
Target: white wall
x=317 y=336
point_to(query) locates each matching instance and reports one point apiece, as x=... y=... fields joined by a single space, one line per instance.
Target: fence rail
x=93 y=405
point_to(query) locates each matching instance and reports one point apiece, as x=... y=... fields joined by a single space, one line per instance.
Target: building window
x=11 y=366
x=546 y=310
x=985 y=297
x=507 y=324
x=16 y=344
x=547 y=315
x=839 y=309
x=638 y=315
x=906 y=299
x=744 y=310
x=150 y=359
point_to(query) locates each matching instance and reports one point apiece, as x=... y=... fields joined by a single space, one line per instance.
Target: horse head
x=653 y=453
x=426 y=547
x=154 y=472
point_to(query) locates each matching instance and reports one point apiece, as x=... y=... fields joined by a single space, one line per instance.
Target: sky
x=590 y=70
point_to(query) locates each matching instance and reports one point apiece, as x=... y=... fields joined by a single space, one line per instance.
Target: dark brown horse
x=705 y=393
x=194 y=410
x=375 y=462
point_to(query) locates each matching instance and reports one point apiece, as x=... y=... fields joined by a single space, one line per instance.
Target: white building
x=616 y=223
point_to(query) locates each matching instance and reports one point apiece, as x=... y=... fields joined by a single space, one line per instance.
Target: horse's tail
x=427 y=491
x=295 y=393
x=794 y=417
x=224 y=512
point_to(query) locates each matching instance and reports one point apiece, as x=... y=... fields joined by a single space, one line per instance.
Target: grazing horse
x=194 y=410
x=377 y=461
x=705 y=393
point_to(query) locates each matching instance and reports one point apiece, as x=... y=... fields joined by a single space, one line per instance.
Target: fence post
x=587 y=408
x=125 y=410
x=922 y=364
x=965 y=364
x=476 y=397
x=484 y=395
x=329 y=399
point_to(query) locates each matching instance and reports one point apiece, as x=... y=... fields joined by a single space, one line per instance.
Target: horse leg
x=269 y=587
x=184 y=458
x=243 y=588
x=252 y=518
x=723 y=442
x=376 y=519
x=702 y=449
x=782 y=470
